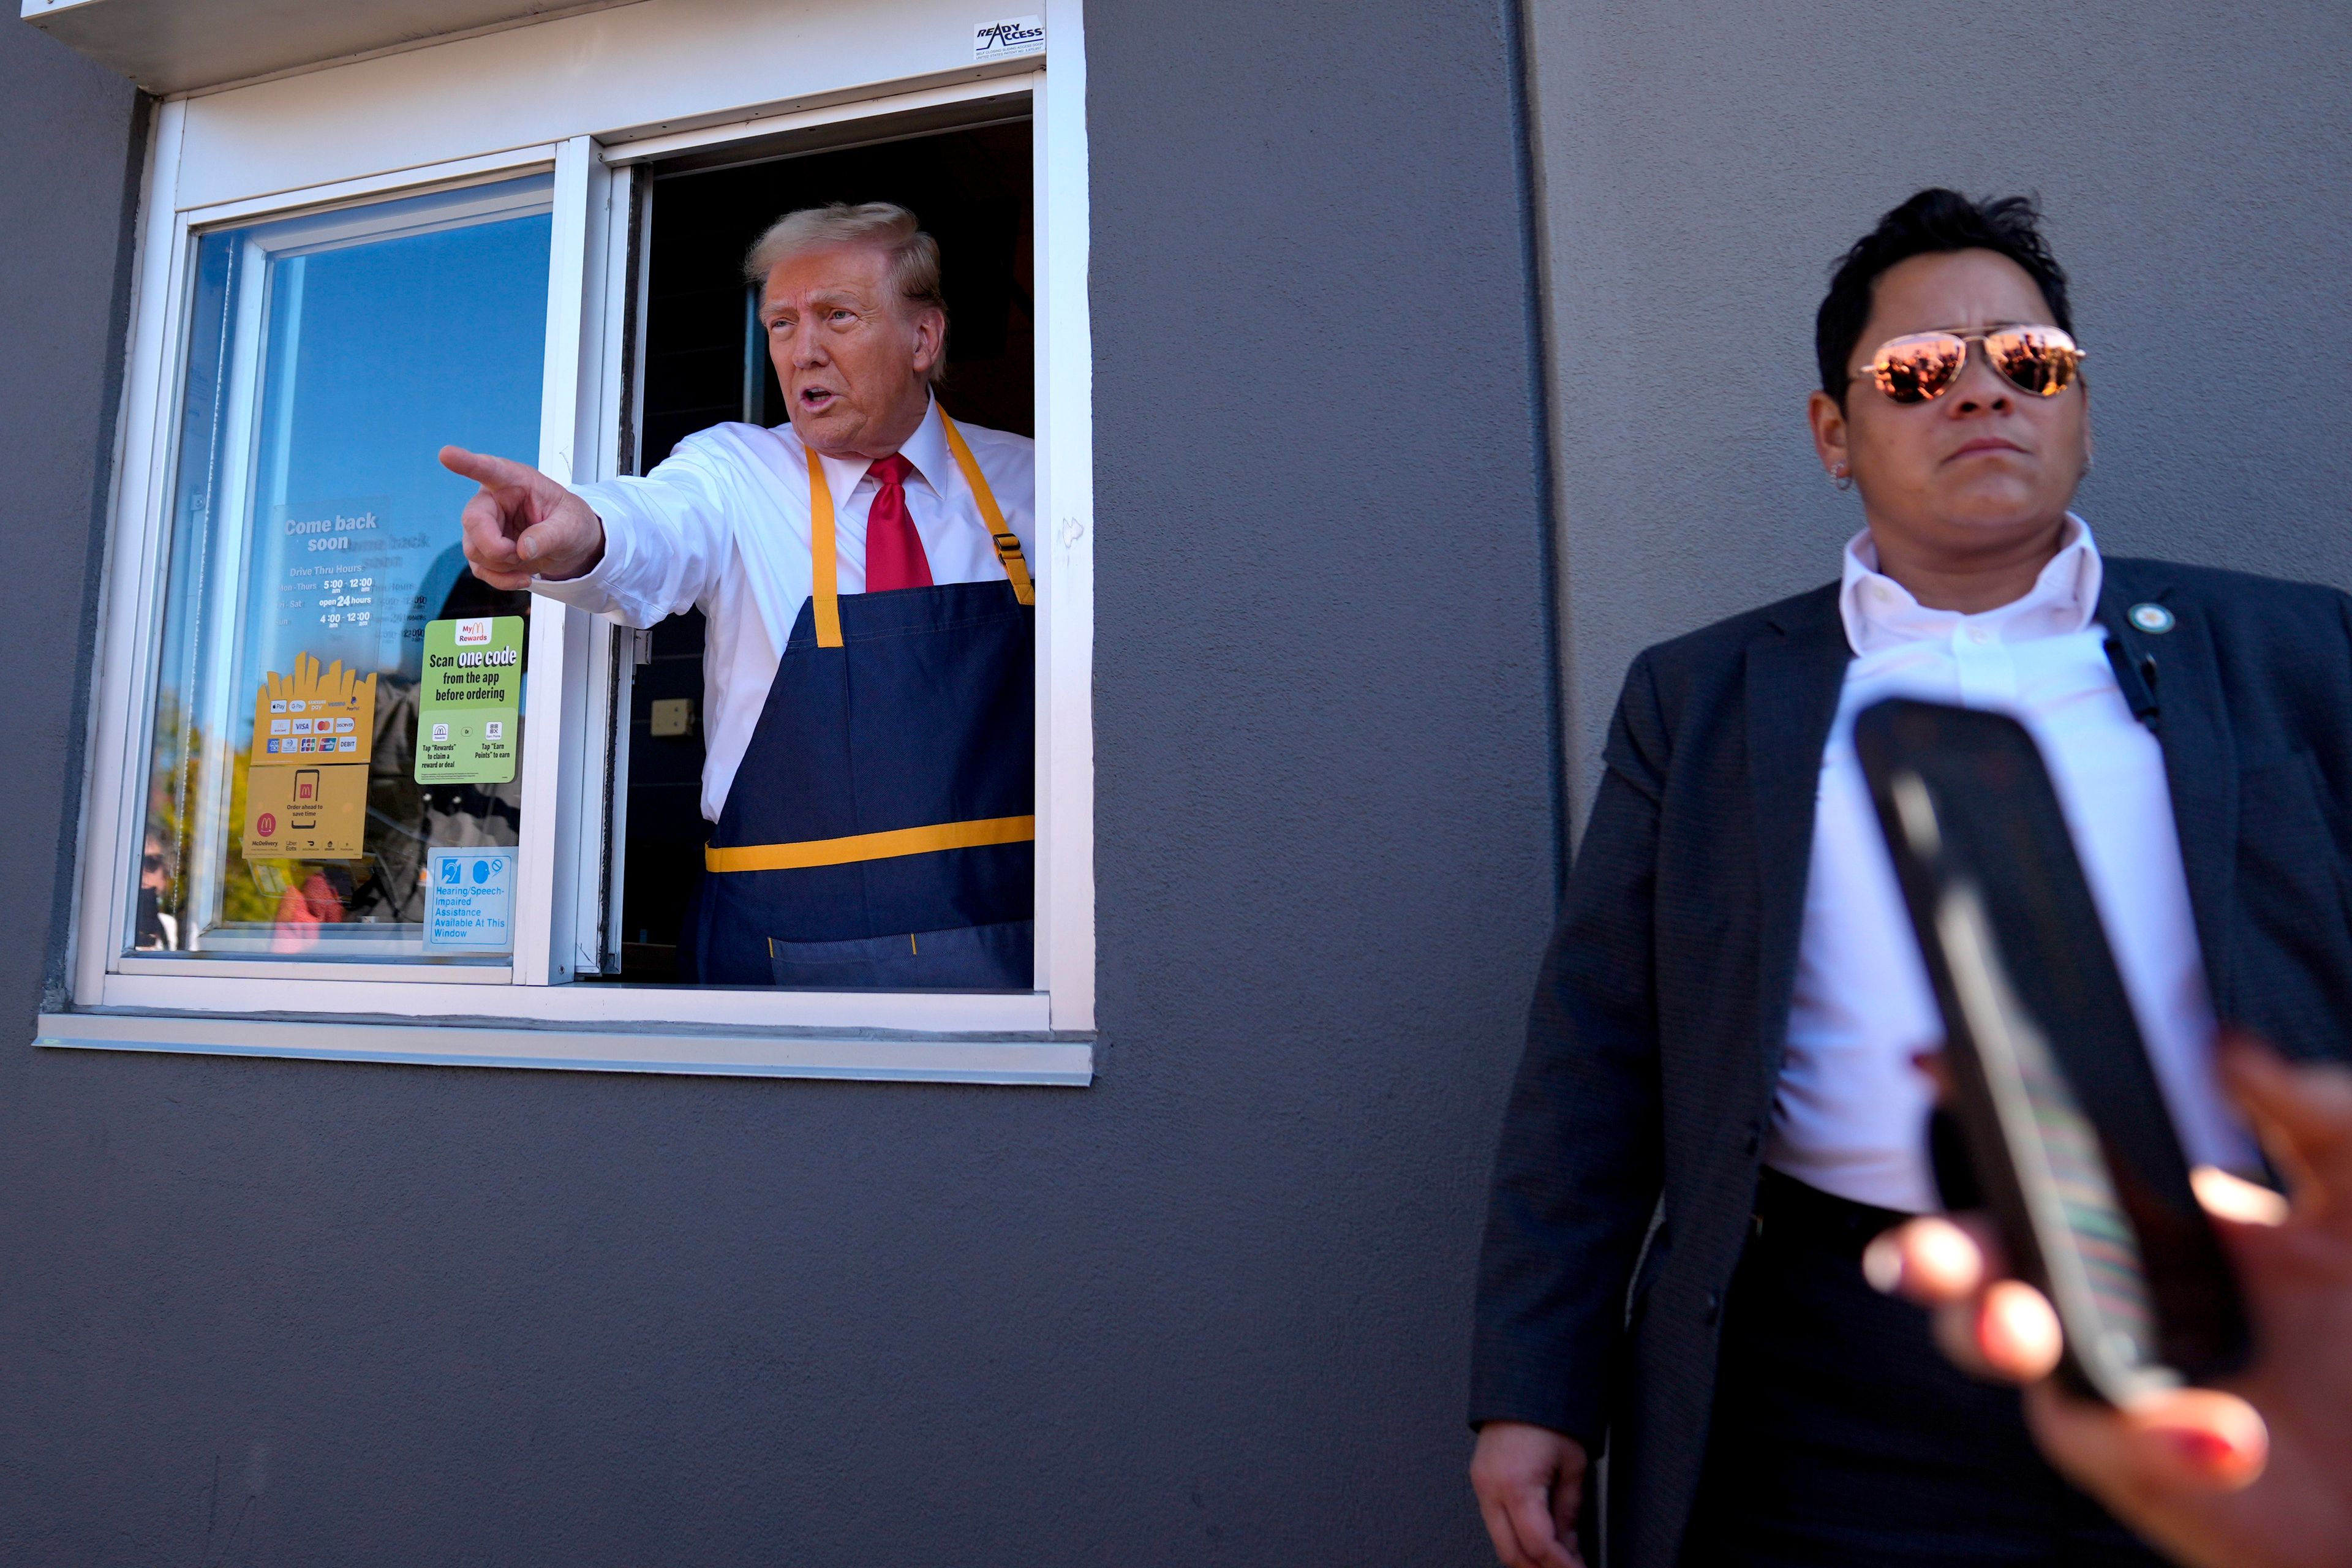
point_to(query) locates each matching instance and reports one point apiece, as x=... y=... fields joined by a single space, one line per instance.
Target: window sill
x=589 y=1005
x=740 y=1053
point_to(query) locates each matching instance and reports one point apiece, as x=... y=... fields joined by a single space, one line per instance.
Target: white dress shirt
x=723 y=523
x=1850 y=1111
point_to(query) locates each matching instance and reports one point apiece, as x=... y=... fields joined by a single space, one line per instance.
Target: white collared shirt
x=1849 y=1113
x=723 y=524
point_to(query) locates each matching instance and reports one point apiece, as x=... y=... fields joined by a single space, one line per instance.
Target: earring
x=1840 y=476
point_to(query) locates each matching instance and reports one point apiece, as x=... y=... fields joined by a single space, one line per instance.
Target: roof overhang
x=179 y=45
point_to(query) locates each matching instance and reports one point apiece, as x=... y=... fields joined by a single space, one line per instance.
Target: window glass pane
x=294 y=802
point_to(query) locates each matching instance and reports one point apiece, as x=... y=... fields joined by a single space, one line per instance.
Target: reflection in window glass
x=307 y=759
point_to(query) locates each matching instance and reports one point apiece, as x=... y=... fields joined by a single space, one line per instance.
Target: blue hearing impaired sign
x=469 y=900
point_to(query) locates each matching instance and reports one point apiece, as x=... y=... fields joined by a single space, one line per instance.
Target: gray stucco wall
x=1703 y=162
x=69 y=137
x=1212 y=1309
x=74 y=139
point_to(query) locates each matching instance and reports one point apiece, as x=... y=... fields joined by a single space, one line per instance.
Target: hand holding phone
x=2258 y=1472
x=2063 y=1127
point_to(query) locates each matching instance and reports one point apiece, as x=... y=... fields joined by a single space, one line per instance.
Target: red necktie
x=894 y=550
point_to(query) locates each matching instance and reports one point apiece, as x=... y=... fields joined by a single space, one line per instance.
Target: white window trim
x=434 y=1013
x=502 y=1043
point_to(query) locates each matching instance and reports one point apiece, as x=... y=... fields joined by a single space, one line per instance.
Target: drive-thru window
x=346 y=798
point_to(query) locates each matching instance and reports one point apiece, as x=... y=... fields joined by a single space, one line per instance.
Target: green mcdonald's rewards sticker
x=470 y=709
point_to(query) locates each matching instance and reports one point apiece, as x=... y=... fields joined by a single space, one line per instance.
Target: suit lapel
x=2200 y=754
x=1796 y=669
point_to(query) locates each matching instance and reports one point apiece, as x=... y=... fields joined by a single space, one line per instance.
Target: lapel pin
x=2152 y=618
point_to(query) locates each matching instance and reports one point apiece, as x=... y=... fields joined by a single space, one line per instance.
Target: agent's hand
x=2255 y=1475
x=1530 y=1484
x=522 y=524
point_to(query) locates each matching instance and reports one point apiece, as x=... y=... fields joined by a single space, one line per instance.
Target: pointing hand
x=522 y=524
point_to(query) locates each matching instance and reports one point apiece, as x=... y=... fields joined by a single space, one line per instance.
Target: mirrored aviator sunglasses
x=1923 y=366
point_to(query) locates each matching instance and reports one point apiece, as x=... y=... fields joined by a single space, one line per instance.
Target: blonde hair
x=913 y=256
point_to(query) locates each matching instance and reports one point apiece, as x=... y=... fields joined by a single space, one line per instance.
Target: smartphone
x=2059 y=1114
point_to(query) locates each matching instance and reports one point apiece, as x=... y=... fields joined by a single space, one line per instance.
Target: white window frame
x=532 y=1011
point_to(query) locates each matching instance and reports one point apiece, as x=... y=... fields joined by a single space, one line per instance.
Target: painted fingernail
x=2200 y=1446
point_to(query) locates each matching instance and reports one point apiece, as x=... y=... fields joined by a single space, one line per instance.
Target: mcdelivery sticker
x=306 y=782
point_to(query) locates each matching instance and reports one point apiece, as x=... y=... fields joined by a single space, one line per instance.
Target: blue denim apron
x=879 y=833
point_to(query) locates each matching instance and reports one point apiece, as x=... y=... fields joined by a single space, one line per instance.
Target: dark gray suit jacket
x=1661 y=1014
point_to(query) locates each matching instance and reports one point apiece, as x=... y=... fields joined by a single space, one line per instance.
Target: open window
x=338 y=785
x=706 y=360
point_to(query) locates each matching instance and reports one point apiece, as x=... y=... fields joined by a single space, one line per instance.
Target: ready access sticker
x=471 y=700
x=469 y=900
x=1008 y=38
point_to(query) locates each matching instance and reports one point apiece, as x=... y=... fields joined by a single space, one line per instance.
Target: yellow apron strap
x=824 y=572
x=824 y=575
x=1008 y=546
x=859 y=847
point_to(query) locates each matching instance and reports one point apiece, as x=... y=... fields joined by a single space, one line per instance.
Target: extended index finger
x=485 y=469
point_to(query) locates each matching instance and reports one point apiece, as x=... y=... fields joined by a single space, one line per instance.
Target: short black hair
x=1934 y=221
